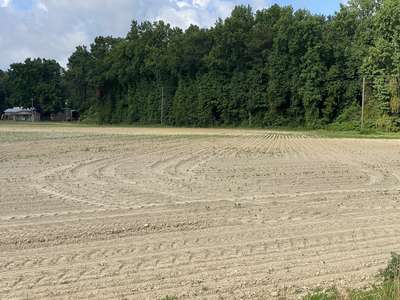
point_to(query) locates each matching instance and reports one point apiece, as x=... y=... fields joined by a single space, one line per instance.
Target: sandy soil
x=127 y=213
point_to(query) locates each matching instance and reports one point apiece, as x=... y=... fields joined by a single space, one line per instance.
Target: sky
x=53 y=28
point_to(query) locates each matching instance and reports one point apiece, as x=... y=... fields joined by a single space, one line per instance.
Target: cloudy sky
x=53 y=28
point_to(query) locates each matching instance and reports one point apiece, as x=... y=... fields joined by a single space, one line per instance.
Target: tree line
x=272 y=67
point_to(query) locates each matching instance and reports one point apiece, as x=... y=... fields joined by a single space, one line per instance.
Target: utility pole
x=250 y=118
x=363 y=104
x=162 y=105
x=32 y=112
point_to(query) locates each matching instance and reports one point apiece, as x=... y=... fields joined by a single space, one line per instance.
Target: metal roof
x=19 y=110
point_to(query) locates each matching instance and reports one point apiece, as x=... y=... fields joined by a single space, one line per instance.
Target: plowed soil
x=135 y=213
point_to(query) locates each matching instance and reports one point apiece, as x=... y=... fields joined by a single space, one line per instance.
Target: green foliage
x=388 y=290
x=3 y=91
x=169 y=298
x=78 y=79
x=351 y=113
x=37 y=80
x=387 y=123
x=392 y=271
x=275 y=67
x=330 y=294
x=349 y=119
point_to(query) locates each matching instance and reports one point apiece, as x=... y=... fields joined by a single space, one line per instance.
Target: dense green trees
x=3 y=90
x=272 y=67
x=78 y=78
x=37 y=80
x=383 y=59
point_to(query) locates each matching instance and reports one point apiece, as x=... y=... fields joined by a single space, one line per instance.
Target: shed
x=21 y=114
x=67 y=115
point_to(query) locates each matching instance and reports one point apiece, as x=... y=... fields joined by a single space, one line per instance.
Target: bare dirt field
x=135 y=213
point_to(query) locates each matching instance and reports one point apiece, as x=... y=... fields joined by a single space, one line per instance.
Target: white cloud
x=201 y=3
x=42 y=6
x=182 y=4
x=201 y=12
x=5 y=3
x=53 y=28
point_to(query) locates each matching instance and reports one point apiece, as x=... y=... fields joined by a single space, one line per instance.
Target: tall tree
x=78 y=77
x=3 y=92
x=274 y=67
x=38 y=81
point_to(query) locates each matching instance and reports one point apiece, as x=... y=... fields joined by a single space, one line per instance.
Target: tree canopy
x=273 y=67
x=39 y=81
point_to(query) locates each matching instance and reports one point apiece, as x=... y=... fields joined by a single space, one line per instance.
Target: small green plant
x=392 y=271
x=331 y=294
x=169 y=298
x=366 y=131
x=388 y=290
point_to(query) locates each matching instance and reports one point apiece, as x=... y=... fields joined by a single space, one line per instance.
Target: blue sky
x=316 y=6
x=53 y=28
x=23 y=4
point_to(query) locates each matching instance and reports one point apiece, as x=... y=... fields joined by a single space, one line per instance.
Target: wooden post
x=250 y=118
x=32 y=112
x=363 y=104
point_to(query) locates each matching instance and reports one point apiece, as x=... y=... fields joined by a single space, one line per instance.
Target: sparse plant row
x=389 y=289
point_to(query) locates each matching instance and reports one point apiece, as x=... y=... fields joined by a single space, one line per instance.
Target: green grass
x=331 y=294
x=389 y=289
x=367 y=134
x=325 y=133
x=81 y=124
x=386 y=291
x=42 y=124
x=34 y=136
